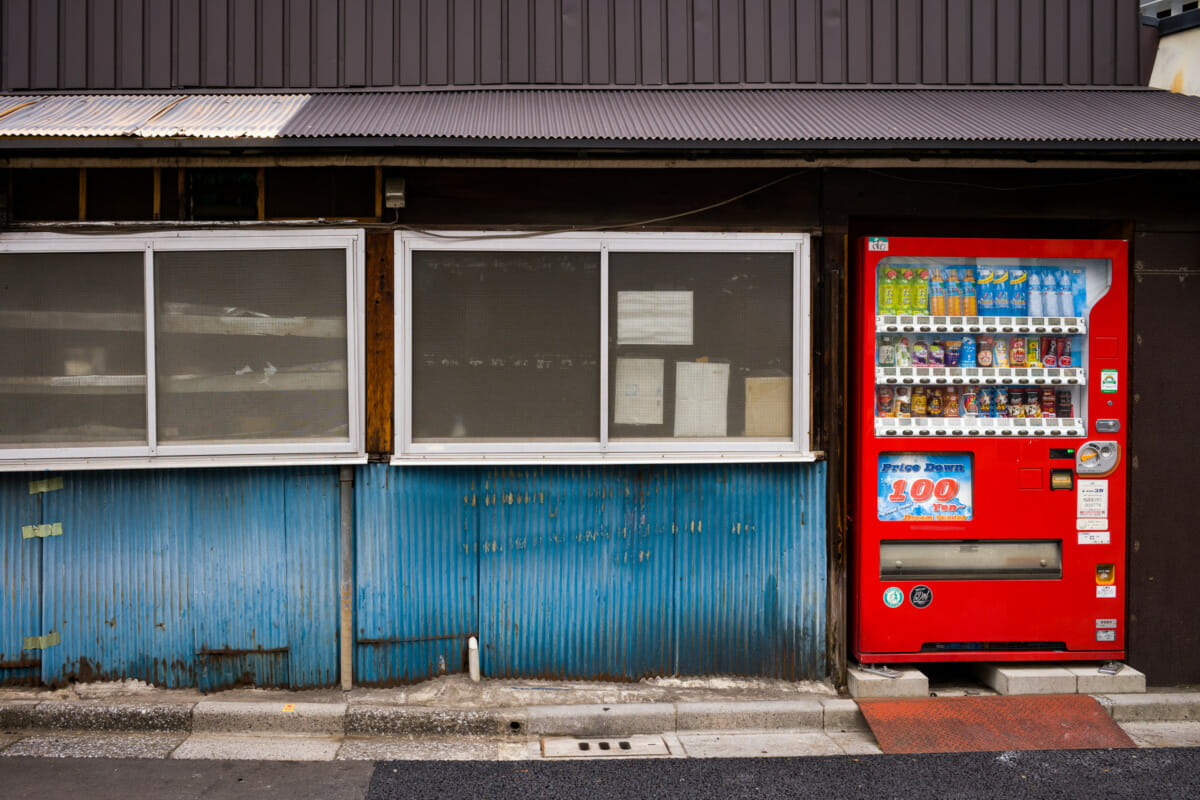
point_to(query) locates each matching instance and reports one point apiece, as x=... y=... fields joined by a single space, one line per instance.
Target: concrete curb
x=830 y=714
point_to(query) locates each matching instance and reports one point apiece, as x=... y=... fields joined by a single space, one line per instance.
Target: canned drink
x=937 y=354
x=1049 y=351
x=1001 y=353
x=1048 y=405
x=1000 y=402
x=984 y=351
x=1062 y=406
x=885 y=405
x=934 y=404
x=970 y=398
x=954 y=353
x=1033 y=408
x=1016 y=403
x=920 y=402
x=967 y=356
x=887 y=352
x=920 y=353
x=984 y=399
x=1033 y=351
x=950 y=402
x=1064 y=351
x=1016 y=351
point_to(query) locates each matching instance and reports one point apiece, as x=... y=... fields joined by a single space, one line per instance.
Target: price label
x=933 y=487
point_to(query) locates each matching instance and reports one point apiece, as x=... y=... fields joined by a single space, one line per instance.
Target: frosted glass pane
x=73 y=352
x=506 y=345
x=251 y=346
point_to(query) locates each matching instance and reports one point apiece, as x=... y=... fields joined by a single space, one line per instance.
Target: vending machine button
x=1106 y=574
x=1062 y=479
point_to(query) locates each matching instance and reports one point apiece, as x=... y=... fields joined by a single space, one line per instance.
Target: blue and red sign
x=925 y=487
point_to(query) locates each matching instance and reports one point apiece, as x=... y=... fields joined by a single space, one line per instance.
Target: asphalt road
x=1094 y=774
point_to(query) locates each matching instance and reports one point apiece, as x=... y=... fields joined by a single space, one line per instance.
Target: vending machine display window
x=984 y=346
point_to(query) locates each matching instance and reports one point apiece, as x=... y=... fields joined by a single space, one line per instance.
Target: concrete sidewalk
x=451 y=717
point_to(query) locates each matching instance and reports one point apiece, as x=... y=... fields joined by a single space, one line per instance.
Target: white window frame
x=798 y=448
x=154 y=454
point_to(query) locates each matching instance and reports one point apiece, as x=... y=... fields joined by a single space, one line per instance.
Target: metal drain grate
x=623 y=747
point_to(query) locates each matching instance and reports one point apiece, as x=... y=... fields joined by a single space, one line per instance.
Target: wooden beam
x=378 y=192
x=380 y=310
x=82 y=194
x=157 y=213
x=260 y=180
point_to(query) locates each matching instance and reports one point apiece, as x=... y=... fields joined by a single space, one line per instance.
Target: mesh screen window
x=183 y=348
x=700 y=345
x=506 y=345
x=73 y=360
x=251 y=345
x=605 y=346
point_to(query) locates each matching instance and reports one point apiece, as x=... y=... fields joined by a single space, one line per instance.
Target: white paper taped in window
x=639 y=391
x=701 y=398
x=769 y=406
x=654 y=318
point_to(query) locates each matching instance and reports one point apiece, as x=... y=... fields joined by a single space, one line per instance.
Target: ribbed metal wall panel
x=575 y=573
x=613 y=572
x=416 y=570
x=118 y=582
x=750 y=570
x=20 y=580
x=200 y=577
x=139 y=44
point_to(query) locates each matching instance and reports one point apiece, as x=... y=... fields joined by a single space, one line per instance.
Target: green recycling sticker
x=893 y=597
x=1108 y=381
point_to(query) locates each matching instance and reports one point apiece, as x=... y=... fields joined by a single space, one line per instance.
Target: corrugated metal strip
x=416 y=571
x=591 y=572
x=20 y=580
x=85 y=115
x=118 y=581
x=198 y=577
x=751 y=570
x=575 y=573
x=756 y=115
x=225 y=116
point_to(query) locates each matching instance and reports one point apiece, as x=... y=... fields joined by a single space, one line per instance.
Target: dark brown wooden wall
x=160 y=44
x=1165 y=427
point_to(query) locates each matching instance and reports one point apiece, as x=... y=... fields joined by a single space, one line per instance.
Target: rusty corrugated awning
x=769 y=117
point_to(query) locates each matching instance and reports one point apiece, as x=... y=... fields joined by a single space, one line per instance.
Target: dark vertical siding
x=143 y=44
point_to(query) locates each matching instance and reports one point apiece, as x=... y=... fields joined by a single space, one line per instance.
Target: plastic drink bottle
x=1050 y=294
x=904 y=293
x=921 y=292
x=1001 y=302
x=887 y=291
x=1066 y=294
x=1018 y=292
x=1037 y=306
x=954 y=305
x=987 y=293
x=970 y=301
x=937 y=294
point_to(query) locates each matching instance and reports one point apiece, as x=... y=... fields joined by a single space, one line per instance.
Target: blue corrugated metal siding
x=116 y=583
x=601 y=572
x=20 y=580
x=750 y=570
x=202 y=577
x=416 y=569
x=575 y=568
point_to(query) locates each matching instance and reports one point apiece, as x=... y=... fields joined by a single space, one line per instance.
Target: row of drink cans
x=975 y=350
x=1014 y=402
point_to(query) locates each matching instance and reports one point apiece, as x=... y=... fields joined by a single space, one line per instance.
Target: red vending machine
x=989 y=521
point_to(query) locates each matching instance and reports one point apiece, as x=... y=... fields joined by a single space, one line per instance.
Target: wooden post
x=380 y=342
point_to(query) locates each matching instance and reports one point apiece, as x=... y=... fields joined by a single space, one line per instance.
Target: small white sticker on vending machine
x=1092 y=499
